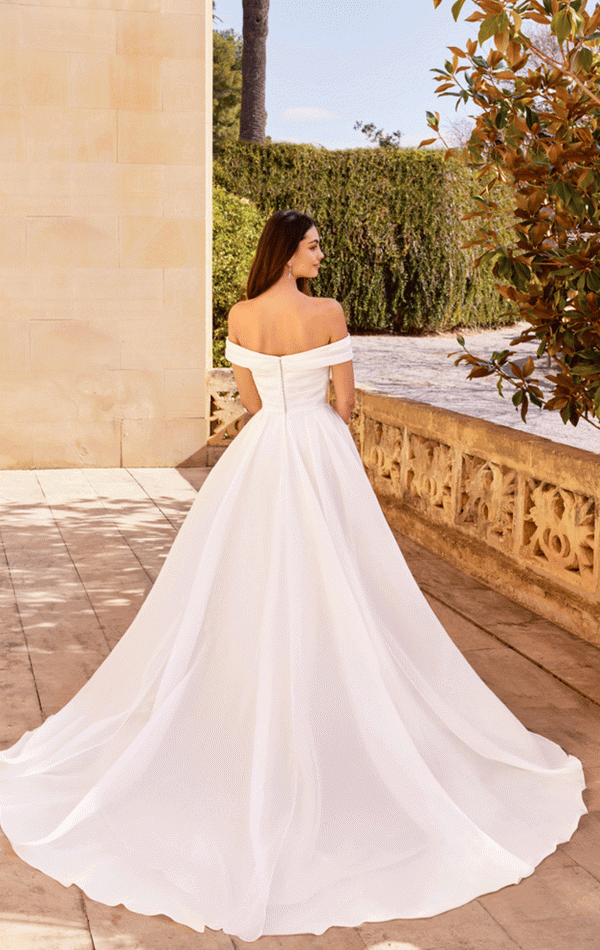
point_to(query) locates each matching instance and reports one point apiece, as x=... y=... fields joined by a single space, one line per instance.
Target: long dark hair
x=278 y=242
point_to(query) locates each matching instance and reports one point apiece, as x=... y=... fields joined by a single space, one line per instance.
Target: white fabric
x=285 y=738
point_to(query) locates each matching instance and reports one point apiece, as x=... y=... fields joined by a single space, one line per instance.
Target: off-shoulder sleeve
x=340 y=351
x=241 y=356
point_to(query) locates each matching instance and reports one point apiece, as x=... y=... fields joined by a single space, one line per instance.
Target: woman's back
x=283 y=324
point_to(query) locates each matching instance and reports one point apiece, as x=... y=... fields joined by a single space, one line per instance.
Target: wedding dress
x=286 y=738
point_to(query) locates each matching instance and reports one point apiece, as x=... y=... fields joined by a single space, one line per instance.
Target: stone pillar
x=105 y=184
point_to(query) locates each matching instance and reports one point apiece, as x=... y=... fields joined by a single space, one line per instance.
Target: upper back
x=268 y=324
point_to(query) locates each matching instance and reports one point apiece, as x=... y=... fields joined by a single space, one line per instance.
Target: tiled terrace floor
x=81 y=549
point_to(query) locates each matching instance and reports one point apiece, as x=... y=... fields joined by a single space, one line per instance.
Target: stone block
x=137 y=5
x=67 y=29
x=187 y=440
x=142 y=344
x=76 y=444
x=144 y=442
x=73 y=135
x=155 y=442
x=183 y=82
x=14 y=344
x=13 y=245
x=117 y=189
x=119 y=309
x=45 y=135
x=9 y=26
x=44 y=78
x=178 y=35
x=185 y=343
x=115 y=82
x=161 y=242
x=11 y=135
x=22 y=284
x=124 y=283
x=70 y=344
x=32 y=398
x=16 y=447
x=80 y=242
x=185 y=393
x=119 y=394
x=91 y=135
x=35 y=188
x=184 y=191
x=10 y=79
x=161 y=138
x=169 y=344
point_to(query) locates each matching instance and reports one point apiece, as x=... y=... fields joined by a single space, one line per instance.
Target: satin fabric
x=286 y=738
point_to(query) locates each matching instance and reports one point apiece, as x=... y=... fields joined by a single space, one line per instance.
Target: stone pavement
x=81 y=551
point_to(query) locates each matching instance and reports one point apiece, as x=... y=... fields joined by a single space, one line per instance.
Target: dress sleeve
x=241 y=356
x=340 y=351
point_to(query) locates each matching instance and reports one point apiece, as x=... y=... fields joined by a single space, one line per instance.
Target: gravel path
x=419 y=368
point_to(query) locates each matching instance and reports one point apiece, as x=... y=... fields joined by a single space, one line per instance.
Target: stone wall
x=520 y=513
x=105 y=178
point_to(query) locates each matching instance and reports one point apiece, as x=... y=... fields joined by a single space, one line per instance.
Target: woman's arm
x=342 y=374
x=249 y=395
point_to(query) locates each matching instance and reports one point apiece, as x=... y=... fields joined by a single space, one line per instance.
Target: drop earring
x=289 y=271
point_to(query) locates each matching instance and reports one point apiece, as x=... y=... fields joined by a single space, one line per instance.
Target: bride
x=285 y=738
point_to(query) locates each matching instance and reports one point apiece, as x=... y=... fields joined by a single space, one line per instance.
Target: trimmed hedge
x=390 y=227
x=236 y=229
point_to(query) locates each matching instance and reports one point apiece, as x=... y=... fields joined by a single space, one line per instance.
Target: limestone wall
x=520 y=513
x=105 y=330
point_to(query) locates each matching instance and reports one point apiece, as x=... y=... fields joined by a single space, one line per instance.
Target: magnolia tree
x=537 y=136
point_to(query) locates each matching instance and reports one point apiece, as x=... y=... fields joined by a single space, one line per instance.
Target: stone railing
x=517 y=512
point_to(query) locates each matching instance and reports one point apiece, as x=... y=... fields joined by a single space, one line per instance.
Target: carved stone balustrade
x=517 y=512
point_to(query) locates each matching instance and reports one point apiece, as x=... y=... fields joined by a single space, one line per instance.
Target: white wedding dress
x=286 y=738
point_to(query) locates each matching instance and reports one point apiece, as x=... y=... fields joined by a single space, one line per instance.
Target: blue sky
x=333 y=62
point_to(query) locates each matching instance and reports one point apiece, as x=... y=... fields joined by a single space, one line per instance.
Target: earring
x=290 y=271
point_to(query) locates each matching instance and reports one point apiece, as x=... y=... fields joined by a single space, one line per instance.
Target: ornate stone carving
x=429 y=470
x=559 y=531
x=227 y=415
x=385 y=452
x=486 y=499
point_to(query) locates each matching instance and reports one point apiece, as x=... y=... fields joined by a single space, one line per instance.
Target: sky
x=331 y=63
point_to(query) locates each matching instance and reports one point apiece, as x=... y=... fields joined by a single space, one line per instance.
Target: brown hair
x=278 y=242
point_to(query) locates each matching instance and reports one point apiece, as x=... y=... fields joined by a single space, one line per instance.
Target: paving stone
x=558 y=910
x=117 y=928
x=465 y=928
x=37 y=913
x=59 y=675
x=465 y=634
x=19 y=703
x=334 y=938
x=194 y=476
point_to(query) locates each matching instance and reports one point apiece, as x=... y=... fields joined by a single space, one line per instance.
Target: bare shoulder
x=233 y=319
x=333 y=314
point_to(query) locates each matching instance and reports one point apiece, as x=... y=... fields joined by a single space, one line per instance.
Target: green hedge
x=390 y=226
x=236 y=229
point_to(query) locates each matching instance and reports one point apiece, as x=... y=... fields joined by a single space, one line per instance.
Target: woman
x=285 y=738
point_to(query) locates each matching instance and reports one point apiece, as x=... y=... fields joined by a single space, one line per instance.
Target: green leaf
x=488 y=28
x=585 y=58
x=456 y=8
x=517 y=397
x=460 y=340
x=561 y=25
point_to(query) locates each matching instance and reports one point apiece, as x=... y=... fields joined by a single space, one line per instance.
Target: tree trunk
x=253 y=117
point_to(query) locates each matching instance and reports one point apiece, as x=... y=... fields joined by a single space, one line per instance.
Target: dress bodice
x=296 y=381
